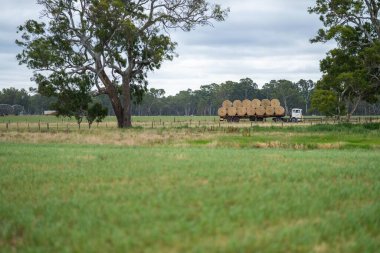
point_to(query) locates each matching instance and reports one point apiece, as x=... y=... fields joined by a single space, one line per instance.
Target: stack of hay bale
x=254 y=108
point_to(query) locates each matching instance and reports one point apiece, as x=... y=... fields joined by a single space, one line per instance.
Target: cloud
x=263 y=40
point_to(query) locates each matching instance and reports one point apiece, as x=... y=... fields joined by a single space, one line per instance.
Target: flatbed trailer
x=296 y=116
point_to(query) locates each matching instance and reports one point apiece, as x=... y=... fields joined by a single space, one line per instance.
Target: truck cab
x=296 y=115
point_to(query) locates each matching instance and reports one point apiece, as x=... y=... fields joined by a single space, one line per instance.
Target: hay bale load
x=256 y=103
x=231 y=111
x=275 y=103
x=260 y=111
x=255 y=110
x=247 y=103
x=279 y=111
x=241 y=111
x=265 y=103
x=269 y=111
x=251 y=111
x=226 y=104
x=237 y=104
x=222 y=112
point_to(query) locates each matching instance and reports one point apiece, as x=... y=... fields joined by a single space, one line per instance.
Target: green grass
x=137 y=119
x=76 y=198
x=301 y=140
x=340 y=136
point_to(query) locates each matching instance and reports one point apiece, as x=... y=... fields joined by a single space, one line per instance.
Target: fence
x=175 y=122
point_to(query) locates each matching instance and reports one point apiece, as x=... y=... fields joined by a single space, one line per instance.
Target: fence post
x=39 y=125
x=6 y=126
x=47 y=126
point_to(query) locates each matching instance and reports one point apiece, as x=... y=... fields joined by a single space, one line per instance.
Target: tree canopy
x=112 y=43
x=352 y=70
x=285 y=90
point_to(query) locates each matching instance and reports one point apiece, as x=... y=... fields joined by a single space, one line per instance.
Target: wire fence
x=175 y=122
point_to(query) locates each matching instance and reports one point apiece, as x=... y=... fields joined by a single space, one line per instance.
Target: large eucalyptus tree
x=111 y=43
x=352 y=70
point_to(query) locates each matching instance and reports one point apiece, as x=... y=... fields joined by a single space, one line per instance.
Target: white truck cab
x=296 y=115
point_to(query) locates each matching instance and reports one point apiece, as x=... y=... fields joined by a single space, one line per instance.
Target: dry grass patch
x=99 y=137
x=232 y=137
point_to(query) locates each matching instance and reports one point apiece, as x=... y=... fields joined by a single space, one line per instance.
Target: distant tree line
x=30 y=103
x=204 y=101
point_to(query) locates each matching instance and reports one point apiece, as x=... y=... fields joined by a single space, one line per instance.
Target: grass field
x=260 y=189
x=112 y=119
x=53 y=119
x=341 y=136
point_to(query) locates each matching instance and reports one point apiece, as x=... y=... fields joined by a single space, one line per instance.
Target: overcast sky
x=262 y=40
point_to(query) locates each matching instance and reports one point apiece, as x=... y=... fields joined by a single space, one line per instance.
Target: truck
x=295 y=116
x=257 y=110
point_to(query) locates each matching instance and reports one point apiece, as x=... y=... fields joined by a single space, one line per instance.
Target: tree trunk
x=127 y=115
x=113 y=95
x=286 y=106
x=118 y=110
x=354 y=107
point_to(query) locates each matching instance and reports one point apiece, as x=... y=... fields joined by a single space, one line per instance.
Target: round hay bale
x=251 y=111
x=231 y=111
x=275 y=102
x=260 y=111
x=256 y=103
x=269 y=111
x=222 y=112
x=247 y=103
x=265 y=103
x=237 y=103
x=227 y=103
x=279 y=111
x=241 y=111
